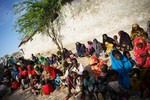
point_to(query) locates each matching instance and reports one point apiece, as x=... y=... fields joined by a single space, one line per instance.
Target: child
x=47 y=88
x=117 y=45
x=73 y=81
x=15 y=85
x=102 y=80
x=116 y=91
x=135 y=71
x=88 y=85
x=35 y=86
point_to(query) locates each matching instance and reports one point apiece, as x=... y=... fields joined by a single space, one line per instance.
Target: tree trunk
x=55 y=38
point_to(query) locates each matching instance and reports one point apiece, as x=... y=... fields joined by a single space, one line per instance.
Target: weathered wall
x=88 y=19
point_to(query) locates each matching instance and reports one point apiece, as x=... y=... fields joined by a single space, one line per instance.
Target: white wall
x=88 y=19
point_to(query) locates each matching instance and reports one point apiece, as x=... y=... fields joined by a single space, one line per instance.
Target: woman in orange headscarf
x=142 y=52
x=95 y=65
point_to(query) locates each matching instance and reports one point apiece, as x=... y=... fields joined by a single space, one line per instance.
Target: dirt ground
x=57 y=94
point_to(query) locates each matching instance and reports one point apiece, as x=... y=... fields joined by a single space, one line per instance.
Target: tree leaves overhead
x=36 y=15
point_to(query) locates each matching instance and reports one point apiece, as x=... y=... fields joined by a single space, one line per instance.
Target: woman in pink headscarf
x=142 y=53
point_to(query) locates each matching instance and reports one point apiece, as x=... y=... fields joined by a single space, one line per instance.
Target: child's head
x=104 y=68
x=115 y=37
x=116 y=54
x=85 y=74
x=73 y=74
x=43 y=82
x=113 y=74
x=127 y=54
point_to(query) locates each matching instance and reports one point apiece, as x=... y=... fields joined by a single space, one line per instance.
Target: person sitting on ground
x=145 y=86
x=31 y=71
x=42 y=60
x=132 y=60
x=65 y=53
x=46 y=88
x=73 y=82
x=50 y=60
x=123 y=66
x=107 y=39
x=117 y=44
x=72 y=55
x=137 y=31
x=115 y=89
x=142 y=53
x=78 y=46
x=83 y=50
x=15 y=85
x=102 y=81
x=125 y=40
x=23 y=77
x=35 y=85
x=74 y=66
x=109 y=47
x=34 y=59
x=98 y=47
x=90 y=47
x=88 y=85
x=95 y=65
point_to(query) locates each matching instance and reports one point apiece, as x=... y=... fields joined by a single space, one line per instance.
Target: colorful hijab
x=137 y=31
x=109 y=47
x=95 y=65
x=123 y=67
x=138 y=51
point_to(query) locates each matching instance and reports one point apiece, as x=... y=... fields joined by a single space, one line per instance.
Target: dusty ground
x=56 y=95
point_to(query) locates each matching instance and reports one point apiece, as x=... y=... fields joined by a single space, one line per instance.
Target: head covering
x=29 y=67
x=138 y=51
x=124 y=38
x=109 y=47
x=123 y=67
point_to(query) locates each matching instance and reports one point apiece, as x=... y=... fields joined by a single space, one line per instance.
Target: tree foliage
x=37 y=16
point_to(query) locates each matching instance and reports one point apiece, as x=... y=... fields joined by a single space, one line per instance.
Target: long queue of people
x=128 y=74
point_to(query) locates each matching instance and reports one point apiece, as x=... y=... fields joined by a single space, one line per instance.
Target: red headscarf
x=138 y=51
x=31 y=71
x=51 y=71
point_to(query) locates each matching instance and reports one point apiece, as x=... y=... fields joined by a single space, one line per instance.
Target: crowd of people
x=128 y=74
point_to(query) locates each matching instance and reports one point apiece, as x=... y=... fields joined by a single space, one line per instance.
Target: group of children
x=125 y=76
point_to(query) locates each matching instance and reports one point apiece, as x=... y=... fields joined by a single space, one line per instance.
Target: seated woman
x=123 y=66
x=78 y=46
x=98 y=47
x=109 y=47
x=65 y=53
x=90 y=47
x=95 y=65
x=137 y=31
x=107 y=39
x=125 y=40
x=117 y=44
x=142 y=53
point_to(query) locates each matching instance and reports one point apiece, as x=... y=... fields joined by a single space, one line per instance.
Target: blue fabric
x=15 y=73
x=123 y=67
